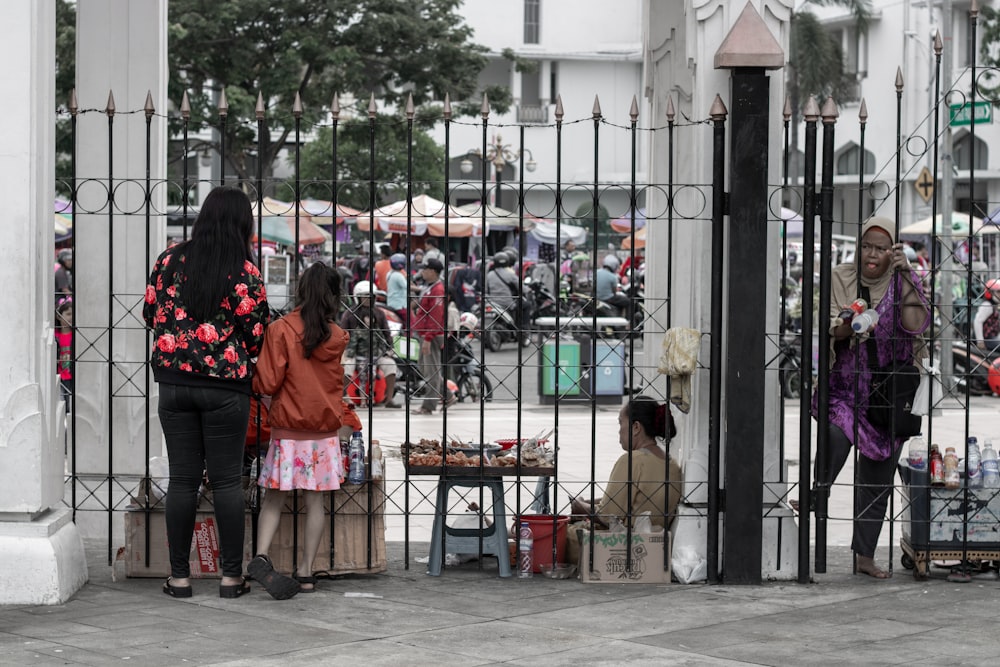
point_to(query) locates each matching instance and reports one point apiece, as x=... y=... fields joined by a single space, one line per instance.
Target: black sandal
x=280 y=586
x=306 y=580
x=176 y=591
x=234 y=590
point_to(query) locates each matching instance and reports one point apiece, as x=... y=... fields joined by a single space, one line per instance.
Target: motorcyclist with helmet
x=397 y=287
x=502 y=287
x=608 y=287
x=64 y=274
x=370 y=338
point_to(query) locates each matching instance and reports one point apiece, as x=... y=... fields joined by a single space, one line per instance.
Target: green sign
x=960 y=113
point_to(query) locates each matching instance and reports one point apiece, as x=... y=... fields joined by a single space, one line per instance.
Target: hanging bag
x=893 y=387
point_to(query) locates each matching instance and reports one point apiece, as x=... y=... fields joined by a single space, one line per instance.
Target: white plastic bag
x=929 y=389
x=643 y=523
x=687 y=566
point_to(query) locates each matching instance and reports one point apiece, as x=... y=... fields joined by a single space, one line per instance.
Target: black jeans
x=205 y=429
x=872 y=488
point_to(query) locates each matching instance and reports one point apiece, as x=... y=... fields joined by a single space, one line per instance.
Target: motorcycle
x=500 y=326
x=468 y=376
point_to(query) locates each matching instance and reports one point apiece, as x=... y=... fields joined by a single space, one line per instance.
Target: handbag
x=890 y=399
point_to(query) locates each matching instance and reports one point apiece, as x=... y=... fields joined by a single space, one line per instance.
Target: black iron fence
x=538 y=370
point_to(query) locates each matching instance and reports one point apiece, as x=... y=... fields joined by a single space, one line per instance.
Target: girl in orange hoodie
x=299 y=368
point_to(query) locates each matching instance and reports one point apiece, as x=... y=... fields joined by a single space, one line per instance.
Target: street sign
x=925 y=185
x=960 y=113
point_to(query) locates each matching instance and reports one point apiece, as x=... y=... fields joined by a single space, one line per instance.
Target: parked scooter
x=468 y=377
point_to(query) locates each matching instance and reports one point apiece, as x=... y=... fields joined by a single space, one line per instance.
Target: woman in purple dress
x=895 y=292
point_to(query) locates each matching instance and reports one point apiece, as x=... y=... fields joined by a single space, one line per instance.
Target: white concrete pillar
x=680 y=46
x=41 y=553
x=121 y=49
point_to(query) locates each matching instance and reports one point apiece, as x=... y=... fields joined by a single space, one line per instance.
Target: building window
x=848 y=162
x=531 y=21
x=553 y=81
x=965 y=151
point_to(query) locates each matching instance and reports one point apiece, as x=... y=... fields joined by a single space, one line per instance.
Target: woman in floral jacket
x=207 y=307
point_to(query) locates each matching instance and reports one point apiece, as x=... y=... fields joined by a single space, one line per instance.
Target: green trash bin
x=566 y=374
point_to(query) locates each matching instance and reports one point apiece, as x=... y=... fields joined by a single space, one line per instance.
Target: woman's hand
x=899 y=261
x=425 y=347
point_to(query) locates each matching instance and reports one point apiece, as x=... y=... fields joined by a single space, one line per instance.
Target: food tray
x=486 y=471
x=473 y=450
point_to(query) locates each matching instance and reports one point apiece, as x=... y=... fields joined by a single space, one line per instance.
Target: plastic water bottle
x=952 y=478
x=356 y=453
x=991 y=467
x=865 y=321
x=972 y=461
x=916 y=454
x=525 y=545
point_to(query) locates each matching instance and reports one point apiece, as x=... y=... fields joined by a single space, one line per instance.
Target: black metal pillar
x=747 y=302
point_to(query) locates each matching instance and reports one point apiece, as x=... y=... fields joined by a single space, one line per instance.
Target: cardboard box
x=647 y=558
x=204 y=555
x=348 y=553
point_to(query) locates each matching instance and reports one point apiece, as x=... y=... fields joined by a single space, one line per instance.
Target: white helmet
x=611 y=261
x=468 y=321
x=363 y=288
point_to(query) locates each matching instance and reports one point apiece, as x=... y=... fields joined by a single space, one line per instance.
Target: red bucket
x=541 y=533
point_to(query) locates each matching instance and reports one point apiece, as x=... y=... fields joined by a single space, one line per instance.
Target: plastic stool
x=466 y=540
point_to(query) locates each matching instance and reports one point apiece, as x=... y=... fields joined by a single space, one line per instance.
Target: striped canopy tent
x=278 y=223
x=425 y=215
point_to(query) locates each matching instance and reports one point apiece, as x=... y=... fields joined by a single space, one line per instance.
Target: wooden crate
x=350 y=534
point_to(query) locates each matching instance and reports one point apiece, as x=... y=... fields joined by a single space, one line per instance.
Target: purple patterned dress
x=850 y=377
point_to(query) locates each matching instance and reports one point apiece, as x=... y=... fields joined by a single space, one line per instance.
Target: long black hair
x=216 y=252
x=318 y=295
x=653 y=416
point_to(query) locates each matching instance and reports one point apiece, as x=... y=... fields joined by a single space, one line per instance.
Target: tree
x=815 y=59
x=391 y=48
x=65 y=81
x=354 y=167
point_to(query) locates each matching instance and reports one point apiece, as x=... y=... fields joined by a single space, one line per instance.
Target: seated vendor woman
x=645 y=427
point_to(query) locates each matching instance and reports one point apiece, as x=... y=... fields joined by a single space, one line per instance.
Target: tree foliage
x=350 y=48
x=318 y=49
x=354 y=167
x=65 y=77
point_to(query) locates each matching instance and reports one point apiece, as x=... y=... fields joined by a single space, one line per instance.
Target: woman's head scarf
x=845 y=281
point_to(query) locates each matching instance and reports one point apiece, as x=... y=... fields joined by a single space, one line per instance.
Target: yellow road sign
x=925 y=185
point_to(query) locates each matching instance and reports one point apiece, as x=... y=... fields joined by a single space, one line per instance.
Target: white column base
x=779 y=548
x=42 y=560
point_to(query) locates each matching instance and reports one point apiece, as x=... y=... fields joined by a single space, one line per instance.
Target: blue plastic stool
x=466 y=540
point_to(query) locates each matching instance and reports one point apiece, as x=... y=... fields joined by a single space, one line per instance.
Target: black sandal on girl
x=176 y=591
x=280 y=586
x=306 y=581
x=234 y=590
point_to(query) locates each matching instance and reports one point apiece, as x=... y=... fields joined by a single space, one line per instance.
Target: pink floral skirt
x=311 y=465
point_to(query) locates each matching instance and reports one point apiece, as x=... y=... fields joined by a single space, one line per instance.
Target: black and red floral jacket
x=188 y=352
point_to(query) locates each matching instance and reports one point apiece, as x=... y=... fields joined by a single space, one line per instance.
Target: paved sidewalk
x=468 y=616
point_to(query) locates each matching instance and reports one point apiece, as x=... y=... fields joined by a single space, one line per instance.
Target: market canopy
x=793 y=223
x=281 y=229
x=959 y=226
x=321 y=212
x=623 y=225
x=640 y=239
x=545 y=232
x=424 y=215
x=497 y=219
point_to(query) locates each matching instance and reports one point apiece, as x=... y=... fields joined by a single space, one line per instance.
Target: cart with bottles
x=943 y=524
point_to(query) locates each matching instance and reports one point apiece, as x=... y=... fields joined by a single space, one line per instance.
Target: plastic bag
x=929 y=391
x=643 y=523
x=159 y=477
x=688 y=567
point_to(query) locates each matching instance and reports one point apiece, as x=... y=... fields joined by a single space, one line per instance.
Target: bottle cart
x=936 y=519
